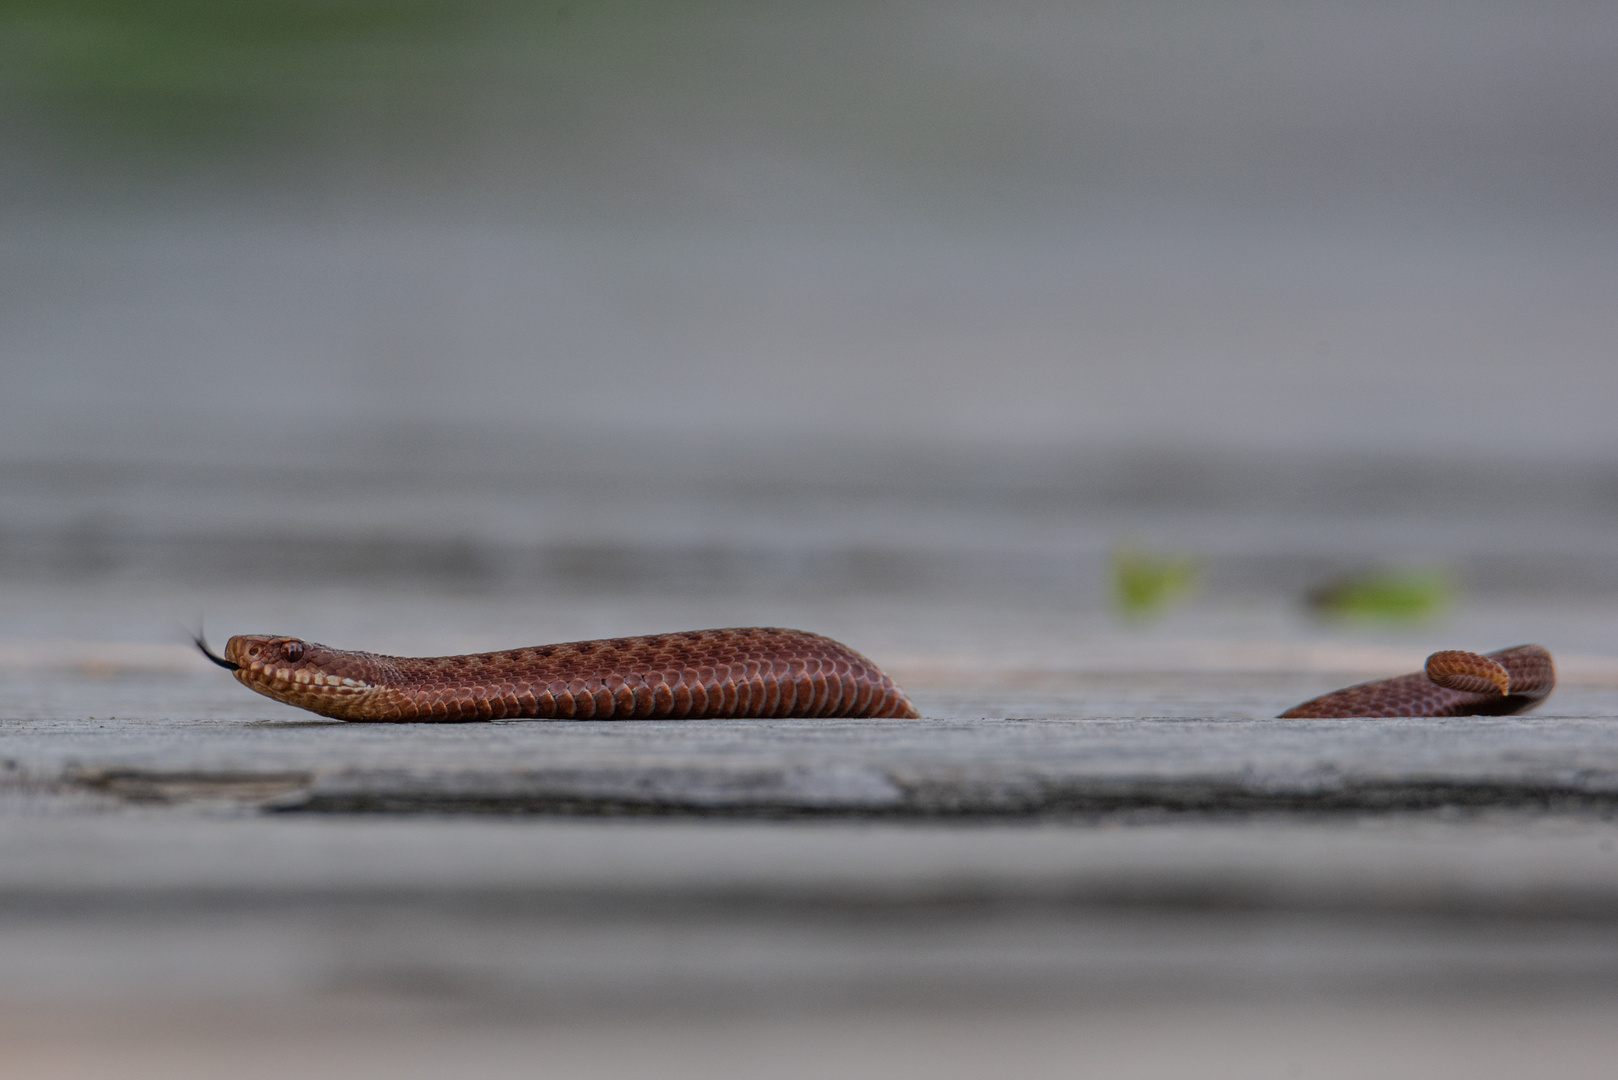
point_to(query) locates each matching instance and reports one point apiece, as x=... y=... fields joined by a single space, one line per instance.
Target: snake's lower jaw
x=328 y=698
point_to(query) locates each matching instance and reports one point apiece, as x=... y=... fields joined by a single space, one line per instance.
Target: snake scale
x=748 y=672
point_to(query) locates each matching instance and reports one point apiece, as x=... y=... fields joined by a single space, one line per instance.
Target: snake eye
x=293 y=651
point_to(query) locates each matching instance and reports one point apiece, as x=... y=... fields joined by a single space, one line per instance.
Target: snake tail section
x=1457 y=669
x=1455 y=683
x=696 y=674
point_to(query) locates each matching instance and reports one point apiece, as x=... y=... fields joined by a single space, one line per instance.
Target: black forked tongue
x=211 y=655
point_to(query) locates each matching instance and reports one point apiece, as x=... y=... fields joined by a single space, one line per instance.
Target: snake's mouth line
x=211 y=655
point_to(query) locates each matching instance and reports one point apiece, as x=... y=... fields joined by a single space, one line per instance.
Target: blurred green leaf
x=183 y=71
x=1146 y=584
x=1397 y=595
x=601 y=91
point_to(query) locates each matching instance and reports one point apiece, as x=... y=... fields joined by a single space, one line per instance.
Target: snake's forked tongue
x=1469 y=672
x=211 y=655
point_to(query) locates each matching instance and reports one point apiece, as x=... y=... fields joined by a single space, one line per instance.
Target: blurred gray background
x=434 y=326
x=529 y=319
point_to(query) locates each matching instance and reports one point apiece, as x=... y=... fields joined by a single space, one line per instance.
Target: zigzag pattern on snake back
x=695 y=674
x=1454 y=683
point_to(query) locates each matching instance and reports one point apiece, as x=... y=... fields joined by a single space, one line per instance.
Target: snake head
x=299 y=672
x=276 y=657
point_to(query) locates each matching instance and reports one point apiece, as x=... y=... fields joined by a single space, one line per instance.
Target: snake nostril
x=293 y=651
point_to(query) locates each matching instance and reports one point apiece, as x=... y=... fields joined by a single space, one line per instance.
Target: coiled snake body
x=749 y=672
x=741 y=672
x=1454 y=683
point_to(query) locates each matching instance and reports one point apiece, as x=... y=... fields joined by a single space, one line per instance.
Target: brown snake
x=695 y=674
x=1454 y=683
x=749 y=672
